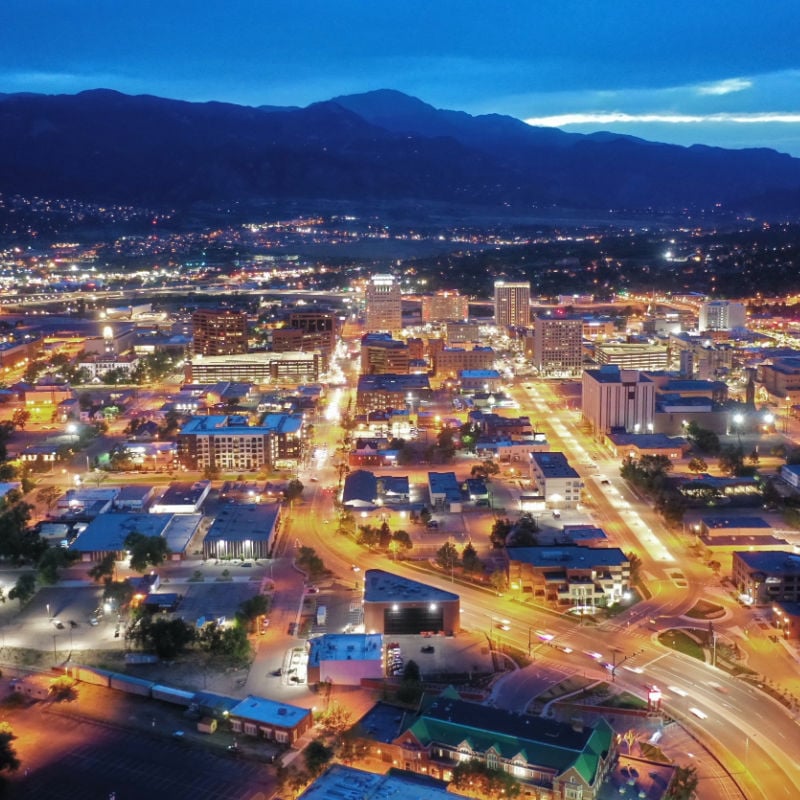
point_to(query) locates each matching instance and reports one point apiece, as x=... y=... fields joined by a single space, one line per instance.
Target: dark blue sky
x=685 y=71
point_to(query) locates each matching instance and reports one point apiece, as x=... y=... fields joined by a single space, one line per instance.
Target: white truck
x=322 y=615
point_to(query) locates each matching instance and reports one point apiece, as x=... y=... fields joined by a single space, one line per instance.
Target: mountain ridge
x=103 y=145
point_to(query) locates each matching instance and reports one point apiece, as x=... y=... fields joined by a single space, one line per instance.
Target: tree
x=63 y=688
x=146 y=551
x=523 y=533
x=24 y=589
x=475 y=779
x=166 y=637
x=706 y=441
x=499 y=534
x=293 y=490
x=117 y=594
x=104 y=568
x=731 y=460
x=316 y=756
x=635 y=567
x=684 y=784
x=308 y=560
x=335 y=720
x=230 y=642
x=401 y=542
x=470 y=561
x=52 y=560
x=368 y=536
x=48 y=495
x=697 y=465
x=21 y=418
x=251 y=609
x=498 y=581
x=8 y=755
x=447 y=556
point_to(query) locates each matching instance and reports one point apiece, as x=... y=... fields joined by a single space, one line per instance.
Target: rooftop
x=239 y=522
x=719 y=523
x=269 y=712
x=554 y=465
x=347 y=783
x=569 y=556
x=780 y=562
x=345 y=647
x=385 y=587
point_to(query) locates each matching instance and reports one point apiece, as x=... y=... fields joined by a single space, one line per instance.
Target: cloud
x=614 y=117
x=727 y=86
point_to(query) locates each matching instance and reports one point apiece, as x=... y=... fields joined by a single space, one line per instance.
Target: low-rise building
x=261 y=368
x=445 y=491
x=581 y=577
x=182 y=497
x=345 y=659
x=636 y=445
x=551 y=759
x=394 y=605
x=380 y=392
x=270 y=720
x=242 y=531
x=107 y=534
x=554 y=479
x=763 y=578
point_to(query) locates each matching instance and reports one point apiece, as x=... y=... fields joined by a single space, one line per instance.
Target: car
x=355 y=568
x=482 y=503
x=93 y=621
x=246 y=564
x=73 y=624
x=428 y=648
x=292 y=629
x=312 y=589
x=698 y=713
x=556 y=513
x=179 y=735
x=605 y=482
x=276 y=673
x=58 y=624
x=431 y=523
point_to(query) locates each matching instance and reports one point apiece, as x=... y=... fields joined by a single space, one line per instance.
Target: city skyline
x=715 y=74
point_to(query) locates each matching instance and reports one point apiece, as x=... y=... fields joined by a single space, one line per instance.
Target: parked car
x=431 y=523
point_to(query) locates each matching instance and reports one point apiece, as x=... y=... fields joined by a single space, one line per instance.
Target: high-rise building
x=722 y=315
x=447 y=306
x=624 y=399
x=512 y=304
x=307 y=330
x=558 y=345
x=384 y=312
x=219 y=332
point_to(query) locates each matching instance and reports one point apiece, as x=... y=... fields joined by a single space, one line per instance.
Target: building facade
x=228 y=443
x=555 y=480
x=219 y=332
x=558 y=345
x=618 y=399
x=512 y=304
x=261 y=368
x=445 y=306
x=721 y=315
x=384 y=310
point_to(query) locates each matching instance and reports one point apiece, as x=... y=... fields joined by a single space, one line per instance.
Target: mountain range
x=103 y=146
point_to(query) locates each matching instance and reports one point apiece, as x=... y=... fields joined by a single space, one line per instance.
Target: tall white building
x=618 y=398
x=722 y=315
x=384 y=312
x=512 y=304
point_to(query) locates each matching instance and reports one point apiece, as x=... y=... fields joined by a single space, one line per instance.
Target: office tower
x=448 y=306
x=558 y=345
x=721 y=315
x=219 y=332
x=615 y=398
x=384 y=310
x=512 y=304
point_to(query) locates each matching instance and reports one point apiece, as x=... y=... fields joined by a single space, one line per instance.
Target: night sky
x=719 y=73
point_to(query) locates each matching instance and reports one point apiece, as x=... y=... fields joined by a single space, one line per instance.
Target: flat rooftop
x=269 y=712
x=345 y=647
x=384 y=587
x=235 y=523
x=348 y=783
x=554 y=465
x=569 y=556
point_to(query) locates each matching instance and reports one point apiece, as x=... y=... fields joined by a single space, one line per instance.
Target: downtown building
x=219 y=332
x=721 y=315
x=261 y=368
x=383 y=392
x=558 y=345
x=512 y=304
x=307 y=330
x=229 y=444
x=381 y=355
x=384 y=306
x=616 y=399
x=445 y=306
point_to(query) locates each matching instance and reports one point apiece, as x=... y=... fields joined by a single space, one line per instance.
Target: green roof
x=541 y=742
